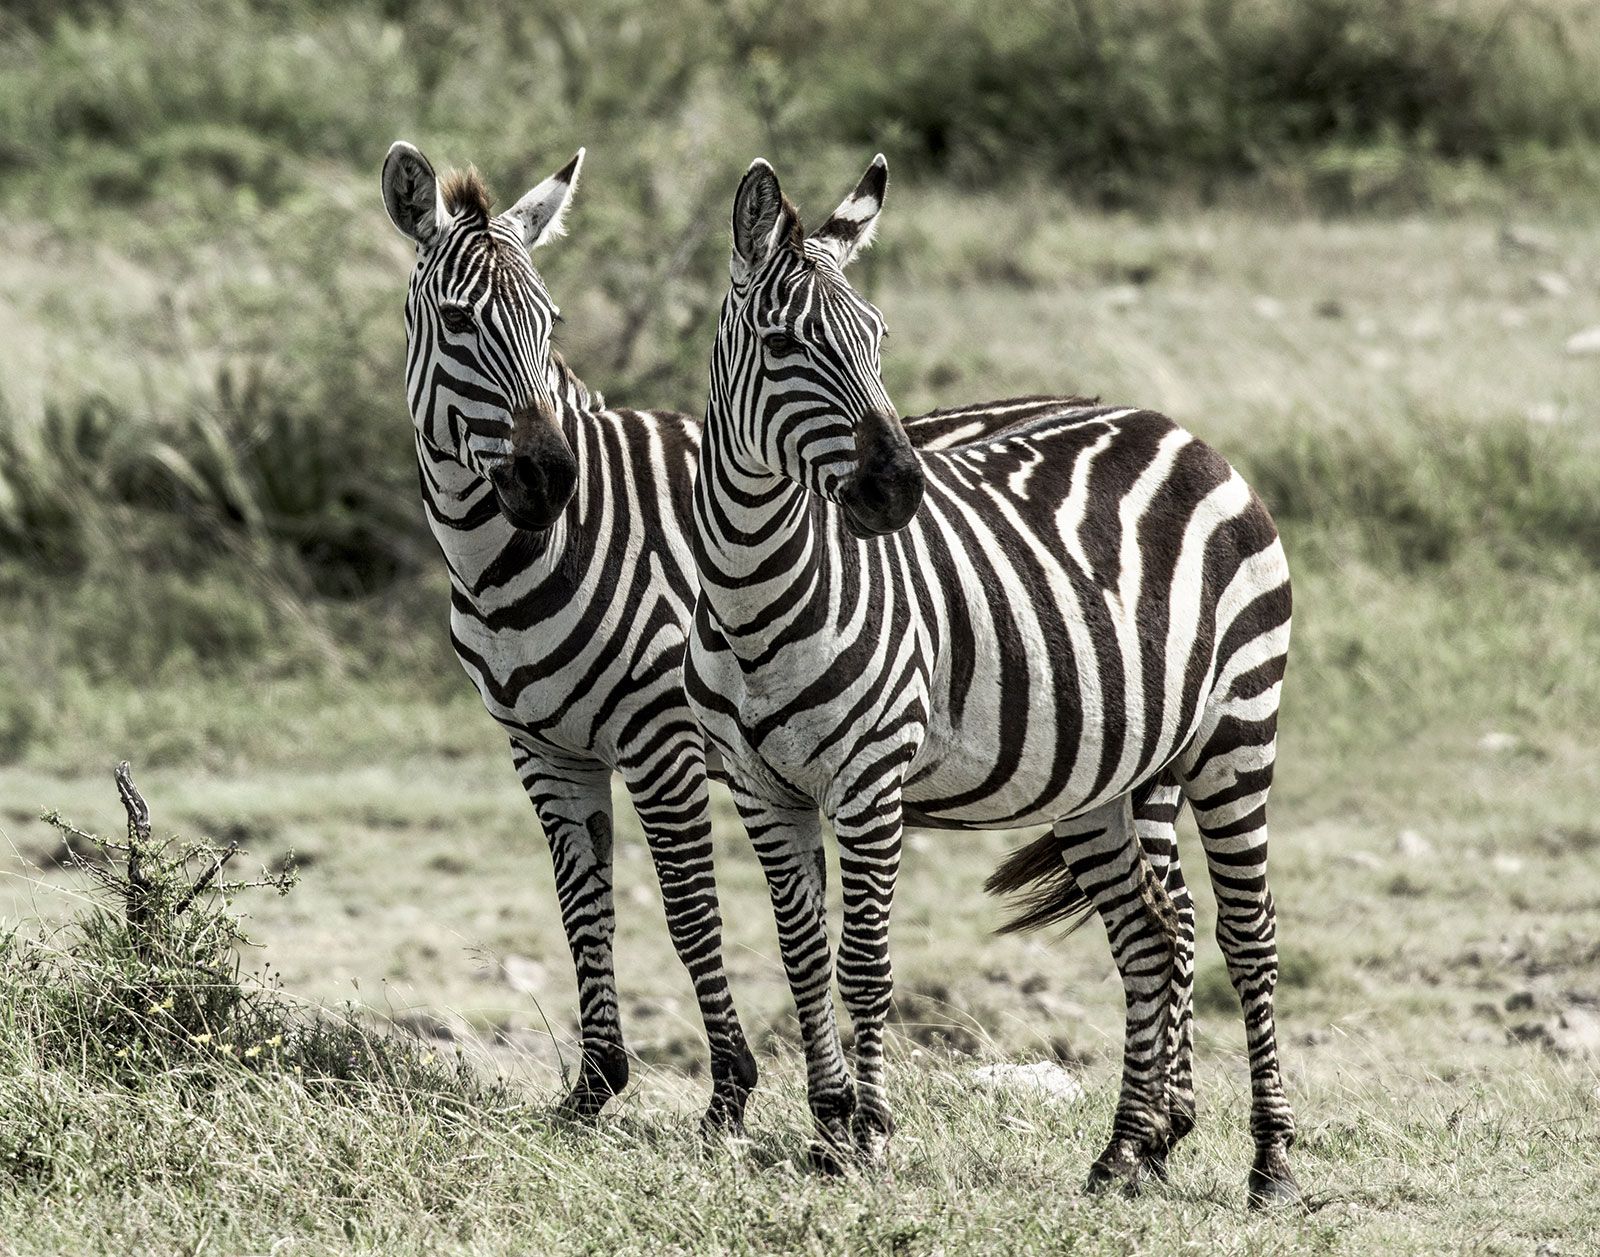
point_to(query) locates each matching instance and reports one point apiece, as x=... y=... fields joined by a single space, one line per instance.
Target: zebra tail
x=1041 y=888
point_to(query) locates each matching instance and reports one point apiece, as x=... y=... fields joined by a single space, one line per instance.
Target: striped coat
x=1075 y=620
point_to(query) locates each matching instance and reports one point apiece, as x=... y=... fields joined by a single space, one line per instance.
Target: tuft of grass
x=144 y=988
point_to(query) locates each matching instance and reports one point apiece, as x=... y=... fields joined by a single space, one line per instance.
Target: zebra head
x=478 y=323
x=798 y=355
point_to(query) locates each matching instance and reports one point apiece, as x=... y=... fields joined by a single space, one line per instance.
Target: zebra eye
x=781 y=344
x=456 y=318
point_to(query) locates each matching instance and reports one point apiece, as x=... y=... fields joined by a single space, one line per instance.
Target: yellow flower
x=167 y=1003
x=226 y=1047
x=275 y=1041
x=250 y=1053
x=427 y=1058
x=122 y=1055
x=152 y=1010
x=200 y=1038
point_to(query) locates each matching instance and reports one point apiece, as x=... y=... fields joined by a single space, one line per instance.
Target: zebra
x=1080 y=617
x=565 y=528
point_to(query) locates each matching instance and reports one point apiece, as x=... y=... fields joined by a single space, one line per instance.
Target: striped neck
x=484 y=552
x=758 y=544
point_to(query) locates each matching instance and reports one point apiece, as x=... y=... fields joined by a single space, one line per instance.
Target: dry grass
x=1451 y=694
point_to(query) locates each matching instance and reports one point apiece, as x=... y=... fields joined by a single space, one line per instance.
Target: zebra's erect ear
x=763 y=221
x=411 y=193
x=854 y=223
x=540 y=214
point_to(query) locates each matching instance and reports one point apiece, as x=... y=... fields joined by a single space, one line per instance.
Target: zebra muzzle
x=884 y=491
x=534 y=486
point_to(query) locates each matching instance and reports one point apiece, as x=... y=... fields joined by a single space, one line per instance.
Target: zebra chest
x=555 y=684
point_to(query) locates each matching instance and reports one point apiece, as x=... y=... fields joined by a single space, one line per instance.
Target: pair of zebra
x=1041 y=610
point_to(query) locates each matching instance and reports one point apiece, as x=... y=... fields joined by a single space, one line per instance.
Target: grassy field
x=1400 y=391
x=1347 y=241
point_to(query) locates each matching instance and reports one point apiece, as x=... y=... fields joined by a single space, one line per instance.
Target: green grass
x=1353 y=268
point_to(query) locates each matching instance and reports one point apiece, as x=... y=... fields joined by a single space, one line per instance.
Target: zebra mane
x=464 y=192
x=573 y=390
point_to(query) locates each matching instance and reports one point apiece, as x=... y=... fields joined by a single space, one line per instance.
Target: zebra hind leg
x=1106 y=868
x=1226 y=782
x=1155 y=816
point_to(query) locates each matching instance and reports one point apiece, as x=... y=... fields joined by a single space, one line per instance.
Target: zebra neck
x=490 y=559
x=758 y=546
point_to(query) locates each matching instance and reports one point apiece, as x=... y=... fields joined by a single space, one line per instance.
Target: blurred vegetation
x=221 y=477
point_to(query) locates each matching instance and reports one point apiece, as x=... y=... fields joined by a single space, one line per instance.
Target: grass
x=211 y=561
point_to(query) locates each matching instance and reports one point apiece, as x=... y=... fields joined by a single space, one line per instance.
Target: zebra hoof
x=1122 y=1165
x=1272 y=1184
x=583 y=1104
x=827 y=1159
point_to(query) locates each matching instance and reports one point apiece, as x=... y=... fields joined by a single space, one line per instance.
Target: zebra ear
x=763 y=221
x=854 y=223
x=540 y=215
x=411 y=193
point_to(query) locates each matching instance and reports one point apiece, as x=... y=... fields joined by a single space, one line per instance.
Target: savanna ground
x=213 y=568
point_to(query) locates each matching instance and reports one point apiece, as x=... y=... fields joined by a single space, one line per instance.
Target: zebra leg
x=1103 y=851
x=1226 y=781
x=1155 y=816
x=788 y=842
x=573 y=800
x=869 y=863
x=670 y=797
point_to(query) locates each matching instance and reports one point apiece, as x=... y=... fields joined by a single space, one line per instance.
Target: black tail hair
x=1045 y=893
x=1041 y=886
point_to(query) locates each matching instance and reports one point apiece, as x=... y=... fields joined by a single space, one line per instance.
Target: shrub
x=144 y=990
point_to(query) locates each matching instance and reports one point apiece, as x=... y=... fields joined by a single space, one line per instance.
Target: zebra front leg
x=670 y=797
x=788 y=842
x=573 y=800
x=1107 y=861
x=1155 y=816
x=869 y=864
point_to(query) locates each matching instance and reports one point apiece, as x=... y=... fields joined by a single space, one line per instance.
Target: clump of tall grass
x=1426 y=496
x=142 y=993
x=1119 y=98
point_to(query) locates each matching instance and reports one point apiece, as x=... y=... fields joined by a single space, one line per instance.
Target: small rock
x=1033 y=984
x=1577 y=1033
x=1543 y=412
x=1498 y=742
x=1584 y=344
x=920 y=843
x=1042 y=1078
x=1269 y=308
x=1508 y=864
x=1120 y=296
x=449 y=863
x=525 y=975
x=1329 y=308
x=1519 y=1001
x=1412 y=845
x=1553 y=284
x=1511 y=317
